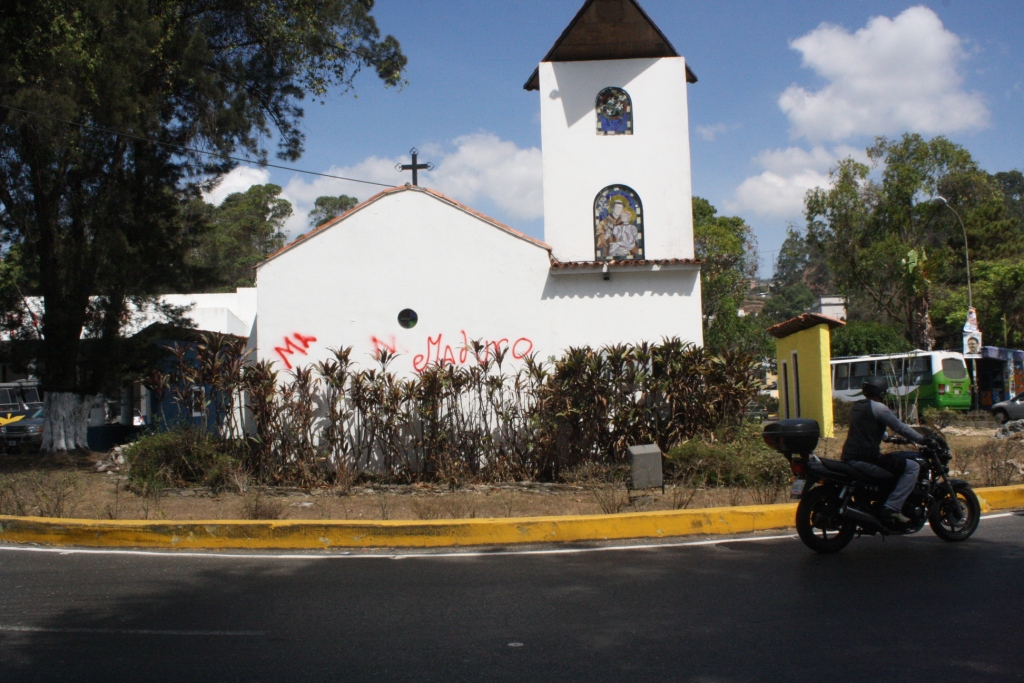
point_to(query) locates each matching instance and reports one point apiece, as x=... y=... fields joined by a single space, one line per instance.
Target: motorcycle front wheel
x=955 y=519
x=819 y=524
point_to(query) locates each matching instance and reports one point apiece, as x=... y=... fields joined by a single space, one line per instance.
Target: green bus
x=929 y=379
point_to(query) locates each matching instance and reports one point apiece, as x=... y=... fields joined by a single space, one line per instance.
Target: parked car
x=1004 y=411
x=22 y=431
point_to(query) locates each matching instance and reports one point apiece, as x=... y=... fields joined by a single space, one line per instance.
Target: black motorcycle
x=838 y=502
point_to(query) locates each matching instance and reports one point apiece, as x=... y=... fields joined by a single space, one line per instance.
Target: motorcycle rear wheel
x=819 y=524
x=943 y=518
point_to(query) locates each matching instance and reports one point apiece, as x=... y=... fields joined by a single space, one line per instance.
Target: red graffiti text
x=440 y=353
x=291 y=347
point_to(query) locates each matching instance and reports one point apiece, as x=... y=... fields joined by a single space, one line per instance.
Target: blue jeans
x=904 y=485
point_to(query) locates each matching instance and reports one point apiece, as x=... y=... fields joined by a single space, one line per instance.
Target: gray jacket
x=868 y=420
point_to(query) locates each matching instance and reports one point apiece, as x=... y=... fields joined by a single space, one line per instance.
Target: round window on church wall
x=408 y=318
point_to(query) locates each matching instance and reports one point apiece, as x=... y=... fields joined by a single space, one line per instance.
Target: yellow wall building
x=804 y=348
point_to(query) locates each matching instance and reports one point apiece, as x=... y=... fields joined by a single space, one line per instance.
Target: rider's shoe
x=892 y=518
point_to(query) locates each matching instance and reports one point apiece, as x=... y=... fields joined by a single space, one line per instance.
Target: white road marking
x=368 y=554
x=126 y=631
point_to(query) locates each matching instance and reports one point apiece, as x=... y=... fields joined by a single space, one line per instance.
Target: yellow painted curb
x=225 y=534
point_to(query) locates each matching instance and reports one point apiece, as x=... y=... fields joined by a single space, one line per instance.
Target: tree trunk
x=923 y=330
x=65 y=413
x=66 y=427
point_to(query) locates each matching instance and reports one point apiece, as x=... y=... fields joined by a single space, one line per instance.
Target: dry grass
x=39 y=493
x=103 y=496
x=256 y=505
x=68 y=487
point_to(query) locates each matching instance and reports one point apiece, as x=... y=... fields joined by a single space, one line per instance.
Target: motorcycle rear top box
x=797 y=436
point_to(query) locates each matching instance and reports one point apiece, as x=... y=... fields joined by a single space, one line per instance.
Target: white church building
x=415 y=272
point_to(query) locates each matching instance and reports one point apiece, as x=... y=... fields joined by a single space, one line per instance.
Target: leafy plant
x=182 y=456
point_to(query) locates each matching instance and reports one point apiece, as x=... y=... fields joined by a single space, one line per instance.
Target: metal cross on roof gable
x=414 y=166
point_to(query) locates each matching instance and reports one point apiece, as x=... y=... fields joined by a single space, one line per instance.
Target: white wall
x=465 y=278
x=227 y=312
x=579 y=163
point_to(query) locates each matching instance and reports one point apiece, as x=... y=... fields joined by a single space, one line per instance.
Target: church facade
x=419 y=274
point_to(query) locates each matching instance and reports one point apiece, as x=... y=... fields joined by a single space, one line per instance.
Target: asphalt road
x=906 y=609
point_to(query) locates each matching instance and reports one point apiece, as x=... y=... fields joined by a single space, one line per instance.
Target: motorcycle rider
x=868 y=421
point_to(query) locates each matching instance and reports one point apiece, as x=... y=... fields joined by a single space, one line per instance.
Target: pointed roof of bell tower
x=609 y=29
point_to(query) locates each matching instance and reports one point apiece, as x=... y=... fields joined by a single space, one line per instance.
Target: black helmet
x=875 y=387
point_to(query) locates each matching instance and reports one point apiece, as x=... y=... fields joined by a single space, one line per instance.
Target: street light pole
x=967 y=255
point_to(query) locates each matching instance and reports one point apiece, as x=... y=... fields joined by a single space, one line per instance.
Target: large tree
x=245 y=229
x=102 y=106
x=728 y=249
x=885 y=240
x=326 y=208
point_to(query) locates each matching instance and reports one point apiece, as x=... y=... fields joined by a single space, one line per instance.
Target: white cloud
x=480 y=167
x=484 y=166
x=711 y=133
x=239 y=179
x=778 y=191
x=891 y=76
x=473 y=168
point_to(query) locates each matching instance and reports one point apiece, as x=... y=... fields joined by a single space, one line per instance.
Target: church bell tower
x=615 y=139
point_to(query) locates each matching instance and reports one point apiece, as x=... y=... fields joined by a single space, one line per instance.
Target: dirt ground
x=81 y=491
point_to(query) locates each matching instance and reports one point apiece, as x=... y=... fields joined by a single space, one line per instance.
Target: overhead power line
x=243 y=160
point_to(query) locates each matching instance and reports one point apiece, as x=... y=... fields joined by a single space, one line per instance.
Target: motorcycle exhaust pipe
x=862 y=518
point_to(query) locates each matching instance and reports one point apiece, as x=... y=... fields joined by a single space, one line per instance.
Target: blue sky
x=786 y=87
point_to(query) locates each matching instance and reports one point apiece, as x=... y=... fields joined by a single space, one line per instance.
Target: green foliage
x=868 y=228
x=742 y=334
x=860 y=338
x=788 y=302
x=728 y=249
x=460 y=423
x=1011 y=184
x=239 y=234
x=841 y=412
x=742 y=461
x=182 y=456
x=801 y=262
x=326 y=208
x=998 y=288
x=98 y=214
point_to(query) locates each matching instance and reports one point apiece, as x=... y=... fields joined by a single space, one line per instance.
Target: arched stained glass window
x=614 y=112
x=618 y=225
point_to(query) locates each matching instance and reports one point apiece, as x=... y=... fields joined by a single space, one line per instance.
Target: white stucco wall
x=579 y=163
x=227 y=312
x=465 y=278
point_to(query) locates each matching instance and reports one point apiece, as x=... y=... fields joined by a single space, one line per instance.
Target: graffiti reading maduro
x=290 y=347
x=440 y=353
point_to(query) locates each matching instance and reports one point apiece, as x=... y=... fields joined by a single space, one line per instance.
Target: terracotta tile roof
x=803 y=322
x=405 y=188
x=591 y=265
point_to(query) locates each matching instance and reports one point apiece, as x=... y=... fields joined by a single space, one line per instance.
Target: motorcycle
x=839 y=502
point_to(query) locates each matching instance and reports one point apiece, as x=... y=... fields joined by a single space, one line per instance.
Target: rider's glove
x=931 y=443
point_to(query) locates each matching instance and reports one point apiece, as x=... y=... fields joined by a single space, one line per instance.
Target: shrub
x=841 y=412
x=40 y=494
x=452 y=423
x=257 y=506
x=940 y=417
x=744 y=461
x=185 y=455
